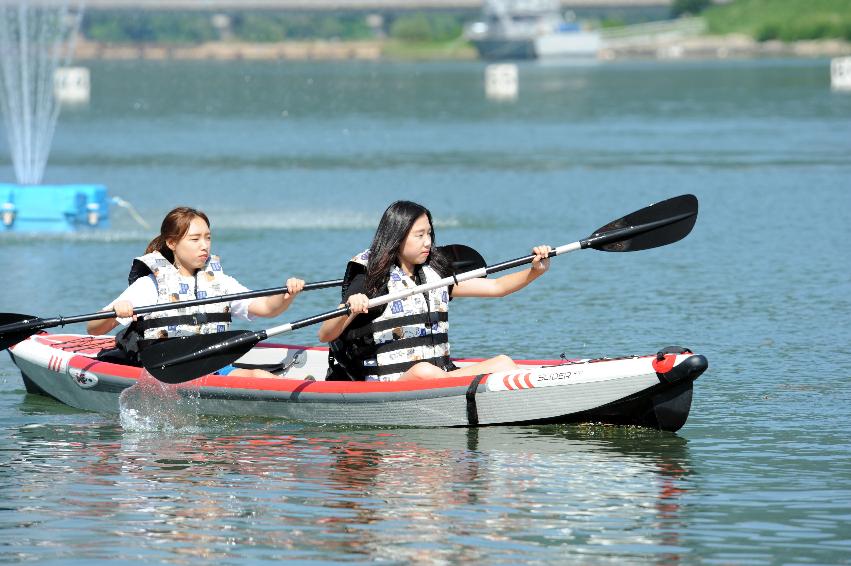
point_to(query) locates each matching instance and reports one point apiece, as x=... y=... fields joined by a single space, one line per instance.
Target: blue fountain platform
x=53 y=208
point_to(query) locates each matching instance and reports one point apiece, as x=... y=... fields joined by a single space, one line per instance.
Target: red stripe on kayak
x=507 y=382
x=528 y=380
x=105 y=368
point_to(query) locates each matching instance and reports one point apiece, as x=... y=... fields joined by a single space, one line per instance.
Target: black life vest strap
x=341 y=367
x=427 y=340
x=196 y=319
x=407 y=320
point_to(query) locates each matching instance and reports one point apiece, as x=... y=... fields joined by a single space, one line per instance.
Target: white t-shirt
x=143 y=292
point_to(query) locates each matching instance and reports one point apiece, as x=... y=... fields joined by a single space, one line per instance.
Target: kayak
x=649 y=390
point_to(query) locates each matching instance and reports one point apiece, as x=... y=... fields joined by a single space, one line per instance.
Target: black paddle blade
x=21 y=327
x=657 y=225
x=463 y=258
x=179 y=360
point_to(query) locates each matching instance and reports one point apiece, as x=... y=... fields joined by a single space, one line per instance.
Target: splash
x=106 y=236
x=230 y=223
x=35 y=39
x=153 y=406
x=305 y=219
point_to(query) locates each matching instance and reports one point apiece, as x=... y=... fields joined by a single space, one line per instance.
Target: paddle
x=187 y=358
x=16 y=327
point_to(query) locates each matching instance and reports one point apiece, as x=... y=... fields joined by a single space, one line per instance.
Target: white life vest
x=171 y=287
x=409 y=331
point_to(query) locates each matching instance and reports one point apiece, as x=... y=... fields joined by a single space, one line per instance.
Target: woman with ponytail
x=178 y=266
x=408 y=338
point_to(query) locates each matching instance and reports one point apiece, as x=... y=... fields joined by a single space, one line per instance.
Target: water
x=295 y=163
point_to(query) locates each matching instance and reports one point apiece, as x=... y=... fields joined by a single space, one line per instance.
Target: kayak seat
x=115 y=356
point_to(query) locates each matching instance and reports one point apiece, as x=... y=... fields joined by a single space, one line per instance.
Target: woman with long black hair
x=408 y=338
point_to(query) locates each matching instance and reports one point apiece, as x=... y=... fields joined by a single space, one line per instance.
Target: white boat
x=653 y=391
x=530 y=29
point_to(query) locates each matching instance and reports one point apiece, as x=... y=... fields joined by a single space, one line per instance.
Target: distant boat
x=530 y=29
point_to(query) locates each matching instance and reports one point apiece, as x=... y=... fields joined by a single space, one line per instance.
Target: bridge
x=331 y=5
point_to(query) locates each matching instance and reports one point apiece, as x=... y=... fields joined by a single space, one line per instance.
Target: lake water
x=295 y=162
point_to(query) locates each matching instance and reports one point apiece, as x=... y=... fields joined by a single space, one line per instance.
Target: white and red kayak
x=653 y=390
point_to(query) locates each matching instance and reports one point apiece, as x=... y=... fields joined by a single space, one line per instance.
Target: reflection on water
x=505 y=494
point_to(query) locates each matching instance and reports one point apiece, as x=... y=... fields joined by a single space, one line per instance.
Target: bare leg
x=425 y=370
x=239 y=372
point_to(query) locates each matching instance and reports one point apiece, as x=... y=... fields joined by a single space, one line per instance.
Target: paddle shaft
x=37 y=324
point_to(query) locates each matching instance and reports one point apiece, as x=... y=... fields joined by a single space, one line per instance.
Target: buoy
x=72 y=85
x=840 y=73
x=501 y=81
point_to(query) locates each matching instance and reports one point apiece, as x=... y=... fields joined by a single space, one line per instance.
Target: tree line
x=198 y=27
x=785 y=20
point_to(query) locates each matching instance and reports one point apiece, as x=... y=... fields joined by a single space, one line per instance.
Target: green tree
x=422 y=27
x=258 y=27
x=412 y=27
x=693 y=7
x=145 y=27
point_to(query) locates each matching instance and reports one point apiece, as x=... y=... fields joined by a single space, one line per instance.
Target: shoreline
x=695 y=47
x=230 y=51
x=717 y=47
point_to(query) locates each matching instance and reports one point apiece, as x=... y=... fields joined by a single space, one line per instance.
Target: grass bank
x=428 y=50
x=784 y=20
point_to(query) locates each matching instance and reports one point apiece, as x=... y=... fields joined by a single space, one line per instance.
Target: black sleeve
x=355 y=286
x=358 y=285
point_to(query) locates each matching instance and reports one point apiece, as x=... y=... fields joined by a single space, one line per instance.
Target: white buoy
x=72 y=85
x=501 y=81
x=840 y=73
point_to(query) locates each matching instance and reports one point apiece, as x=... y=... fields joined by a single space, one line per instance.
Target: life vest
x=171 y=287
x=410 y=330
